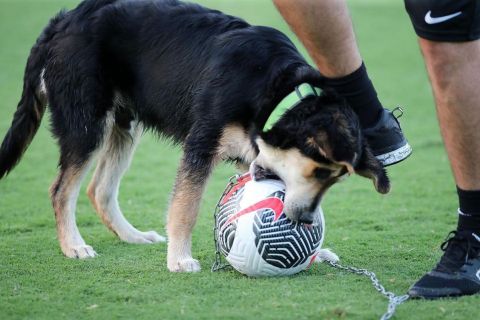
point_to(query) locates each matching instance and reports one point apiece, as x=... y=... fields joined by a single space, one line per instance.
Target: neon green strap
x=300 y=93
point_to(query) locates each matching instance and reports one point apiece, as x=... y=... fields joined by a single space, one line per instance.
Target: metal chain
x=218 y=264
x=393 y=300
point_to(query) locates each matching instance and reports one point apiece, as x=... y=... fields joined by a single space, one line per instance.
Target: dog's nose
x=305 y=221
x=306 y=218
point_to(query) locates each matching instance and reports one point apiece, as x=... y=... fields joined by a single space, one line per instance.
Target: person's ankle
x=358 y=90
x=469 y=210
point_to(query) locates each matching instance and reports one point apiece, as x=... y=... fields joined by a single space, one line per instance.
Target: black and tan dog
x=109 y=69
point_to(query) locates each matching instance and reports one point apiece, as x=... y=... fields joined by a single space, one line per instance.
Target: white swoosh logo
x=476 y=237
x=434 y=20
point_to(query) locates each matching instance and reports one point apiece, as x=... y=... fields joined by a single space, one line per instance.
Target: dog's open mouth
x=258 y=173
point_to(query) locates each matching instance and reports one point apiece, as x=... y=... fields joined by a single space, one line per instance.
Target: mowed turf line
x=397 y=236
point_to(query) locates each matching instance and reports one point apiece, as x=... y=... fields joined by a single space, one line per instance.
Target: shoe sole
x=395 y=156
x=434 y=294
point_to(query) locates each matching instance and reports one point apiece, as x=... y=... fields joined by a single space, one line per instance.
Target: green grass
x=396 y=236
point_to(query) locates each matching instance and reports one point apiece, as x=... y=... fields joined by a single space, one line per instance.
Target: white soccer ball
x=256 y=237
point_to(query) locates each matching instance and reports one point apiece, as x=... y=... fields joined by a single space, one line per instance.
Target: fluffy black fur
x=181 y=69
x=328 y=113
x=186 y=71
x=194 y=75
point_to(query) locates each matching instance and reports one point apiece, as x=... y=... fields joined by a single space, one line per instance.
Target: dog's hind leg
x=79 y=98
x=64 y=193
x=79 y=140
x=114 y=160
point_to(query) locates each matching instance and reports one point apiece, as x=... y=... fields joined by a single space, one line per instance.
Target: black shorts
x=445 y=20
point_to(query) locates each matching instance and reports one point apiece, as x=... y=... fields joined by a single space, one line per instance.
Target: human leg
x=454 y=70
x=325 y=28
x=453 y=65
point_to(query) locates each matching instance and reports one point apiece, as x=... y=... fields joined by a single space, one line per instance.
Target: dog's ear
x=320 y=142
x=368 y=166
x=337 y=151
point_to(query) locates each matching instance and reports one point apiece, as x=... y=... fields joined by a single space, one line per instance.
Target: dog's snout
x=305 y=221
x=306 y=218
x=300 y=214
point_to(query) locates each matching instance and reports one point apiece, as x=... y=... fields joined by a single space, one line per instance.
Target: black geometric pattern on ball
x=284 y=243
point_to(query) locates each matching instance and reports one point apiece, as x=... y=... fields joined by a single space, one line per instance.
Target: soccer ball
x=256 y=237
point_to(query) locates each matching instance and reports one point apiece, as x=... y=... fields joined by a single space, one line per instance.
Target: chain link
x=218 y=264
x=393 y=300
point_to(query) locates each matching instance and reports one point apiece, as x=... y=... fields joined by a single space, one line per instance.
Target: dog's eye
x=322 y=173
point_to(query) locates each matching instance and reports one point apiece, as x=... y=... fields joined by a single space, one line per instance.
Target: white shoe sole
x=395 y=156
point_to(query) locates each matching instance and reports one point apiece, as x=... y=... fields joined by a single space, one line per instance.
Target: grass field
x=397 y=236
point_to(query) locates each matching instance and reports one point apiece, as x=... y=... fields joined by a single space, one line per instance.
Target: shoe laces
x=458 y=248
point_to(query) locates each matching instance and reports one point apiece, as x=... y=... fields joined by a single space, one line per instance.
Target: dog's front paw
x=139 y=237
x=79 y=252
x=184 y=265
x=326 y=255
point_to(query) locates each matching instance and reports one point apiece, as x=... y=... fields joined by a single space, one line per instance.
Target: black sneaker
x=457 y=273
x=386 y=139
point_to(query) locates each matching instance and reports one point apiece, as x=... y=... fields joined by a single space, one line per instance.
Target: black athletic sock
x=469 y=210
x=359 y=92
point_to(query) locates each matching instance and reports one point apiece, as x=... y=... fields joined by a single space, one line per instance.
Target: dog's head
x=312 y=146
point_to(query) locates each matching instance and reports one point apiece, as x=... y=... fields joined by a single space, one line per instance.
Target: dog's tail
x=31 y=107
